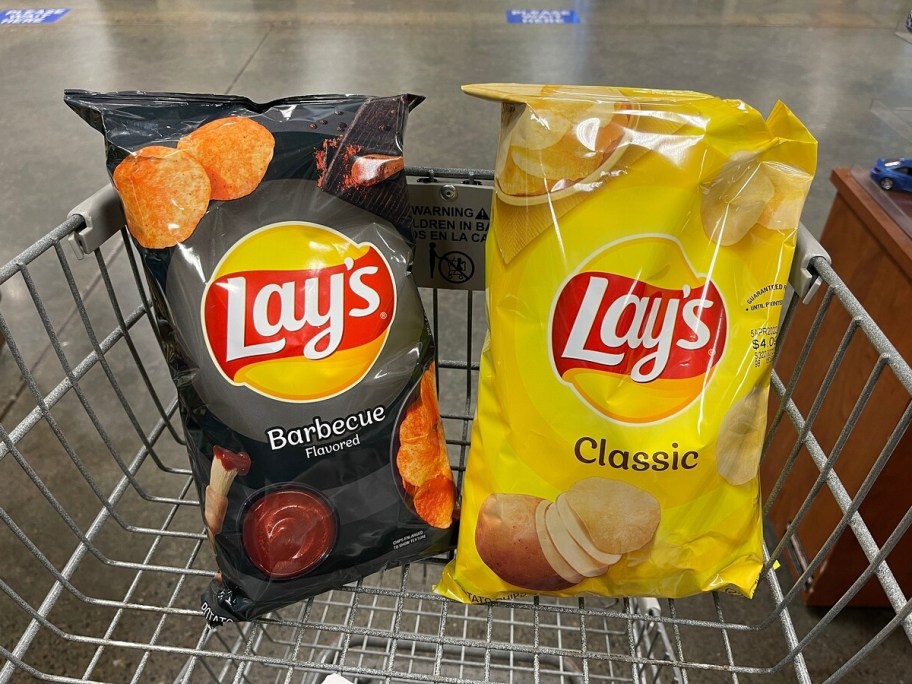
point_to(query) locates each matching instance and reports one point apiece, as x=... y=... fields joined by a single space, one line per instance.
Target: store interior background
x=844 y=67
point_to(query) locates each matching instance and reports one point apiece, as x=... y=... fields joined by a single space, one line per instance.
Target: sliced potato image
x=741 y=438
x=575 y=527
x=567 y=547
x=553 y=556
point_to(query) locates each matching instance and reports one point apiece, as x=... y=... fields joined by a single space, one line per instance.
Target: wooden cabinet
x=872 y=252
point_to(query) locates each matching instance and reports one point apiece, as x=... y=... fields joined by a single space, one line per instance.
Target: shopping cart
x=103 y=555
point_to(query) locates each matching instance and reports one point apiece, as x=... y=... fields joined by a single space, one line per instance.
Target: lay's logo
x=636 y=332
x=298 y=312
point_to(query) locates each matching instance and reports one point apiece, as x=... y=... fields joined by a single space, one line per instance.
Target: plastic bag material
x=639 y=251
x=277 y=247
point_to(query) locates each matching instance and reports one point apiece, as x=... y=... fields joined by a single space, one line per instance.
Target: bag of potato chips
x=639 y=250
x=276 y=240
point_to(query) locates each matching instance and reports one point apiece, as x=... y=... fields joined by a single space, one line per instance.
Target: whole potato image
x=508 y=543
x=165 y=192
x=235 y=151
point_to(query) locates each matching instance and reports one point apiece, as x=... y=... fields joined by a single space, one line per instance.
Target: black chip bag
x=277 y=246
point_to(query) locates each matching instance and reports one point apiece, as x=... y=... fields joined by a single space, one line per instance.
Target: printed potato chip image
x=515 y=182
x=616 y=517
x=553 y=147
x=435 y=501
x=575 y=528
x=741 y=438
x=578 y=153
x=734 y=201
x=417 y=460
x=234 y=151
x=420 y=419
x=422 y=461
x=165 y=193
x=783 y=211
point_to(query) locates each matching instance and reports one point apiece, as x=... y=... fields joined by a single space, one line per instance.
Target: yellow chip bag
x=639 y=250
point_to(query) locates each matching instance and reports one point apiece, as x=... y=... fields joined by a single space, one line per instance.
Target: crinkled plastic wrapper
x=639 y=252
x=276 y=240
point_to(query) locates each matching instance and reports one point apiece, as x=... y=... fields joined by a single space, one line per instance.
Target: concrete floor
x=844 y=67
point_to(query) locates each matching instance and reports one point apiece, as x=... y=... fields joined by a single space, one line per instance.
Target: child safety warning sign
x=450 y=224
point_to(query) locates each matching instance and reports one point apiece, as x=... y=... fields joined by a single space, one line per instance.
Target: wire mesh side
x=76 y=434
x=839 y=362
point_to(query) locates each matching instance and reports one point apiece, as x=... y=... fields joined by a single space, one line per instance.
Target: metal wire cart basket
x=103 y=555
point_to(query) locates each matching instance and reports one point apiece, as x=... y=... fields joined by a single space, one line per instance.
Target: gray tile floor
x=844 y=67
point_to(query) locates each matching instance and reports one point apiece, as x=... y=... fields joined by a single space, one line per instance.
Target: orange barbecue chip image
x=422 y=459
x=420 y=419
x=429 y=386
x=234 y=151
x=165 y=192
x=418 y=460
x=435 y=501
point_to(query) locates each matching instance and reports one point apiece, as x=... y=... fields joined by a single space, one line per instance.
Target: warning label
x=450 y=225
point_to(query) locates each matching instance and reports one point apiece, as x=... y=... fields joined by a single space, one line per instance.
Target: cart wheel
x=886 y=183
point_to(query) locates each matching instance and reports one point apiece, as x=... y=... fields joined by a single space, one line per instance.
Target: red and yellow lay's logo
x=298 y=312
x=636 y=332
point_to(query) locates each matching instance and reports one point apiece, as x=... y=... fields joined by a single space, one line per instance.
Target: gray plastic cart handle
x=801 y=278
x=103 y=216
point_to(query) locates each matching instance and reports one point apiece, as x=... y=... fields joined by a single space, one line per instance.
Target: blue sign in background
x=543 y=16
x=31 y=16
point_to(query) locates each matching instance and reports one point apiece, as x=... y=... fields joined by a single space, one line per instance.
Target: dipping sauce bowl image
x=288 y=531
